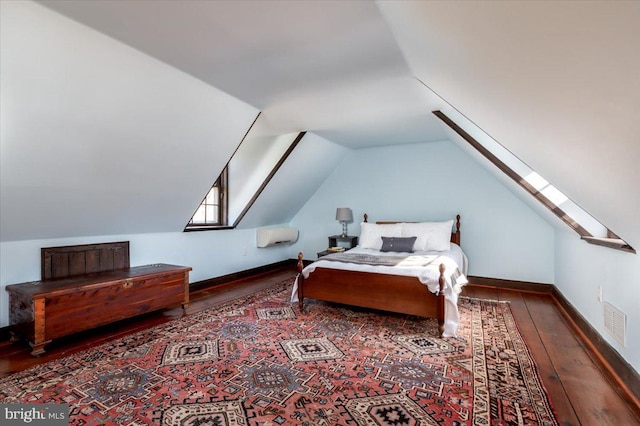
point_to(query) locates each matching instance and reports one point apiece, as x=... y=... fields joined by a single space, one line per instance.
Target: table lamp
x=344 y=215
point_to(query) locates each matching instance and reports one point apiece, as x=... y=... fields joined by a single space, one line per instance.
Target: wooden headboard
x=69 y=261
x=455 y=236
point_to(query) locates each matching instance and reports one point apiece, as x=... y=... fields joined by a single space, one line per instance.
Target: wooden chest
x=48 y=309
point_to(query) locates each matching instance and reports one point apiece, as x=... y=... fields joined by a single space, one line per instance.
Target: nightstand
x=324 y=253
x=352 y=240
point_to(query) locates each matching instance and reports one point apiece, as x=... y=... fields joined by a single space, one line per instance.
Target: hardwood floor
x=581 y=390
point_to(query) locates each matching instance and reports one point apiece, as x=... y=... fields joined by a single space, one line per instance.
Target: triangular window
x=212 y=212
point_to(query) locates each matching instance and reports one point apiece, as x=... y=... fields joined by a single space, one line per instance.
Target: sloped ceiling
x=332 y=68
x=98 y=139
x=555 y=82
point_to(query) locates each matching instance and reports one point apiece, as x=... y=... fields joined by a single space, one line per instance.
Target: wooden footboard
x=393 y=293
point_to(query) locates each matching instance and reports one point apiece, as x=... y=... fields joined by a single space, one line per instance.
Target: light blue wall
x=582 y=267
x=210 y=254
x=502 y=237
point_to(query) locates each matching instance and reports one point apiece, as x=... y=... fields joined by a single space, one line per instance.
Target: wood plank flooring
x=581 y=390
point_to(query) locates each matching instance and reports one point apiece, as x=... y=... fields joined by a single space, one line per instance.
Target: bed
x=425 y=282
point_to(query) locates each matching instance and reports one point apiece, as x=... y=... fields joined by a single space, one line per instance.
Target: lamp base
x=344 y=229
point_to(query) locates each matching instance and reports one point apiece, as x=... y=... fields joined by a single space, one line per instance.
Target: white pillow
x=371 y=234
x=430 y=235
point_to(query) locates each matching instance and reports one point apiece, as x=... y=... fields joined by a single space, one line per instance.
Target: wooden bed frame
x=394 y=293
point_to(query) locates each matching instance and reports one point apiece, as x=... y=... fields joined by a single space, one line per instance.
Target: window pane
x=199 y=217
x=211 y=213
x=554 y=195
x=212 y=196
x=535 y=180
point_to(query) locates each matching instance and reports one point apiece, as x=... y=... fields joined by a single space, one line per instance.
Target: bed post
x=441 y=301
x=300 y=282
x=366 y=216
x=458 y=229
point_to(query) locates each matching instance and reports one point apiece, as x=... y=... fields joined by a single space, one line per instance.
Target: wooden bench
x=85 y=286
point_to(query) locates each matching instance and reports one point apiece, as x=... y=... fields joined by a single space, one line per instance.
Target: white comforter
x=454 y=260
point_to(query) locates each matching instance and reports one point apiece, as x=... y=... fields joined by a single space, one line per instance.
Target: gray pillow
x=399 y=244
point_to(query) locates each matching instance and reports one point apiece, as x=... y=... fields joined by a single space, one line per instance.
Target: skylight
x=590 y=229
x=535 y=180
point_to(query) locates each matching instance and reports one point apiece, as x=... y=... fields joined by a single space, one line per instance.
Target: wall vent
x=615 y=322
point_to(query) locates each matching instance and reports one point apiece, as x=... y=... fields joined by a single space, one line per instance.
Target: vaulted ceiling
x=557 y=83
x=333 y=68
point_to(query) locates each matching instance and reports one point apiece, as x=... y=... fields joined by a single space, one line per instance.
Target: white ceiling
x=557 y=83
x=332 y=68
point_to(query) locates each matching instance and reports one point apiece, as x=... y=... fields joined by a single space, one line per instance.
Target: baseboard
x=618 y=370
x=4 y=333
x=511 y=284
x=622 y=373
x=236 y=276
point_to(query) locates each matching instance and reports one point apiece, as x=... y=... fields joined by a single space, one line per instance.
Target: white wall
x=582 y=267
x=210 y=254
x=305 y=170
x=502 y=237
x=251 y=164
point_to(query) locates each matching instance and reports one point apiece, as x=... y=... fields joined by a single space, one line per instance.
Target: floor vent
x=615 y=322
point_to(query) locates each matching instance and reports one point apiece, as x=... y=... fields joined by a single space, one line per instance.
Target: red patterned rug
x=258 y=361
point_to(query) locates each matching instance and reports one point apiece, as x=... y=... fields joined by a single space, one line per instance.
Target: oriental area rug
x=259 y=361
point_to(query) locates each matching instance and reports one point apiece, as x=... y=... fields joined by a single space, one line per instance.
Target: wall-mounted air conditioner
x=267 y=237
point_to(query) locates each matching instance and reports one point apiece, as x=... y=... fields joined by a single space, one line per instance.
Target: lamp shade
x=344 y=214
